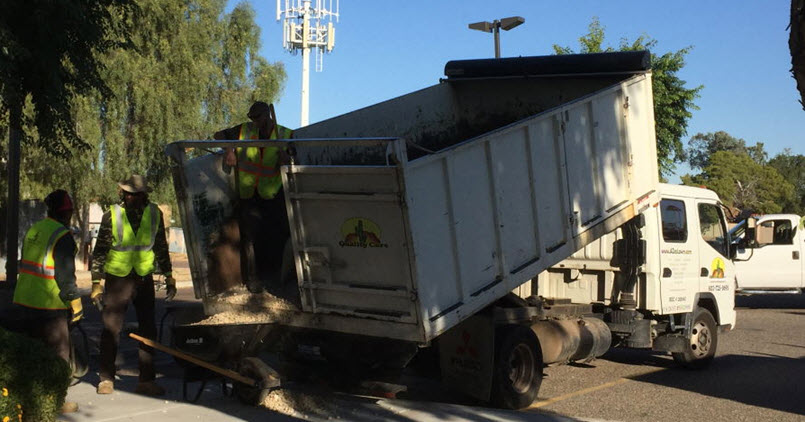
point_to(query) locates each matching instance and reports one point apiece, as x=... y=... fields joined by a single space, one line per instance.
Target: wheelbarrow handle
x=192 y=359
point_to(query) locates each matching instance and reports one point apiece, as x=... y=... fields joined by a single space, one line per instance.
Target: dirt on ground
x=290 y=402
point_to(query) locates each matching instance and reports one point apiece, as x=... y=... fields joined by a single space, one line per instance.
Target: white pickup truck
x=768 y=257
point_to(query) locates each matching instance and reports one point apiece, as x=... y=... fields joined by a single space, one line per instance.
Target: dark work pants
x=264 y=230
x=52 y=328
x=118 y=291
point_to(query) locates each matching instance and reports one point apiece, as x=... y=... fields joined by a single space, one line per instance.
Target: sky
x=384 y=49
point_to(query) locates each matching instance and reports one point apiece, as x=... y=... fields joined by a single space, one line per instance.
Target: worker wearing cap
x=46 y=287
x=262 y=216
x=131 y=240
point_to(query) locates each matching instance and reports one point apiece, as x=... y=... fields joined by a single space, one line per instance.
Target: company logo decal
x=466 y=347
x=466 y=357
x=675 y=251
x=717 y=268
x=361 y=233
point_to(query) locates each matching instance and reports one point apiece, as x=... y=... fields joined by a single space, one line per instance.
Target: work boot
x=149 y=388
x=106 y=387
x=69 y=407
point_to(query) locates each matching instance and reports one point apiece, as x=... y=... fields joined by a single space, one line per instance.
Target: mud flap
x=466 y=355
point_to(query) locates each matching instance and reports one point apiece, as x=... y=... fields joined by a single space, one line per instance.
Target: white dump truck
x=768 y=254
x=413 y=221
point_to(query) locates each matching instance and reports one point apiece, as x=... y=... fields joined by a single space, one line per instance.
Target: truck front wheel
x=518 y=368
x=702 y=342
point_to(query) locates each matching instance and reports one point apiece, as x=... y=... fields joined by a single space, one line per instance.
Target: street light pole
x=495 y=26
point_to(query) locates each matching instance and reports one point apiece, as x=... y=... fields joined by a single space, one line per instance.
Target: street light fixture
x=495 y=27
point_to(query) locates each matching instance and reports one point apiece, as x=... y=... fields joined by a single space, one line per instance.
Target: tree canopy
x=744 y=177
x=743 y=183
x=796 y=44
x=792 y=168
x=50 y=53
x=703 y=145
x=190 y=69
x=181 y=70
x=673 y=101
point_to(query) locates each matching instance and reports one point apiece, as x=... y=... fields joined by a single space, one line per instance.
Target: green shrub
x=33 y=380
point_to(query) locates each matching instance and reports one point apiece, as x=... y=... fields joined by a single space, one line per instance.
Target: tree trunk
x=13 y=213
x=83 y=223
x=796 y=43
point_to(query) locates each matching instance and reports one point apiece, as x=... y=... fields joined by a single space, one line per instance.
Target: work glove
x=170 y=288
x=78 y=310
x=97 y=294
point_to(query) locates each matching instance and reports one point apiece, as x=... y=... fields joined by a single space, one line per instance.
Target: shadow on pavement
x=771 y=301
x=772 y=382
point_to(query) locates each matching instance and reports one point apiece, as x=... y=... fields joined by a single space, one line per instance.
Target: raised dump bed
x=413 y=214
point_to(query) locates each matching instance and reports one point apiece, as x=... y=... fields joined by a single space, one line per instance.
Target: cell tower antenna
x=306 y=25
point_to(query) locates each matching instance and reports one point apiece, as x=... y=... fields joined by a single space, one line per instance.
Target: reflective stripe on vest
x=257 y=167
x=132 y=250
x=36 y=284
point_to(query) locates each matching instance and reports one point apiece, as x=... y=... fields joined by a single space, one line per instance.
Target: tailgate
x=351 y=241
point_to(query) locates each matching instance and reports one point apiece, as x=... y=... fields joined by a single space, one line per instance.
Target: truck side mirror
x=764 y=235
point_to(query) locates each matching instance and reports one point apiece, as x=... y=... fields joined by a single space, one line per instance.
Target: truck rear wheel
x=702 y=343
x=518 y=368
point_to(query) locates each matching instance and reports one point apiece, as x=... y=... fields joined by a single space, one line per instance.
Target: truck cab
x=768 y=254
x=684 y=278
x=693 y=261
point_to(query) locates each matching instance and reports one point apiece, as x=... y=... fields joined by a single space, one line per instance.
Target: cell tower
x=308 y=24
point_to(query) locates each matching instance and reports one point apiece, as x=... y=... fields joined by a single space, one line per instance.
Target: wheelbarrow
x=253 y=380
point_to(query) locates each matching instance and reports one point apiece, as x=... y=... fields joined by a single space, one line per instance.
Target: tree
x=191 y=69
x=792 y=168
x=49 y=55
x=796 y=44
x=743 y=183
x=703 y=145
x=673 y=102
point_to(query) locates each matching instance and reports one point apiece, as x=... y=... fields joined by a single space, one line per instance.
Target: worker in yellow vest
x=262 y=216
x=131 y=241
x=46 y=288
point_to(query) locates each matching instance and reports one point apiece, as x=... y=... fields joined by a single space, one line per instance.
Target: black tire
x=517 y=375
x=702 y=343
x=257 y=370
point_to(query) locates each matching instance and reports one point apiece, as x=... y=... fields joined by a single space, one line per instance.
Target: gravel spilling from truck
x=239 y=306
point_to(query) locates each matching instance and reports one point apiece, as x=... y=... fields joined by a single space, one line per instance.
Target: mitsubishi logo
x=467 y=347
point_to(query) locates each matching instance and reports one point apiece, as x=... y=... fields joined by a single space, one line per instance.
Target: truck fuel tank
x=569 y=340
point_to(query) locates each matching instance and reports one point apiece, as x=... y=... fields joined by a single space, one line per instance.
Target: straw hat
x=135 y=184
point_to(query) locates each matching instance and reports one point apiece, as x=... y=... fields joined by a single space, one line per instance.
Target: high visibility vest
x=36 y=283
x=132 y=250
x=258 y=168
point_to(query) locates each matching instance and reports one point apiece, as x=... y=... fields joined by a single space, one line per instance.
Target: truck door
x=777 y=265
x=799 y=243
x=678 y=262
x=716 y=272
